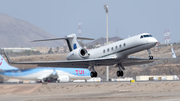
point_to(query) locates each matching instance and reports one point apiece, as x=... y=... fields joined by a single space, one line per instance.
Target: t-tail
x=5 y=66
x=72 y=41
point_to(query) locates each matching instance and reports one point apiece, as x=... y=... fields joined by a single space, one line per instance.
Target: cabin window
x=116 y=47
x=104 y=51
x=124 y=44
x=119 y=46
x=112 y=48
x=108 y=50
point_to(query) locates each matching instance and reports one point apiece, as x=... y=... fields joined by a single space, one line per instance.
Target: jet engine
x=64 y=78
x=80 y=53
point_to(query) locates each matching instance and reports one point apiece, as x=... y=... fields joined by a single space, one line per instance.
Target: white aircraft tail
x=70 y=39
x=4 y=65
x=173 y=53
x=72 y=42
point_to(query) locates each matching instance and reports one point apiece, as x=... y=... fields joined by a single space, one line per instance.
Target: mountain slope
x=18 y=33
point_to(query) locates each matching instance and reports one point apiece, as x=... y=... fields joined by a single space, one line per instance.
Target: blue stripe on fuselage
x=24 y=72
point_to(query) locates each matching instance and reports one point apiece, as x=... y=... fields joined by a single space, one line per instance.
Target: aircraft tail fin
x=72 y=42
x=173 y=53
x=70 y=39
x=4 y=65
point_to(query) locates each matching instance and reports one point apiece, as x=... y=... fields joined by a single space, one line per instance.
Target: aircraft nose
x=152 y=40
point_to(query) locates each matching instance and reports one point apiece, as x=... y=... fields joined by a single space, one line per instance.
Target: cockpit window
x=147 y=35
x=143 y=36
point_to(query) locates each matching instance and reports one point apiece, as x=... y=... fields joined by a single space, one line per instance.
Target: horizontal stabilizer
x=49 y=39
x=81 y=38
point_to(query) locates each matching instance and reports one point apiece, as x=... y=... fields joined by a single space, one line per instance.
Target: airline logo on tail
x=5 y=65
x=1 y=62
x=75 y=46
x=79 y=71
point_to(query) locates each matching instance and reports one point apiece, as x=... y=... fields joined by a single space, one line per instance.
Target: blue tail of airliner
x=4 y=65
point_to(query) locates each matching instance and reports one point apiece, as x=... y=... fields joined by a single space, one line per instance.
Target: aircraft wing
x=94 y=62
x=71 y=63
x=138 y=61
x=135 y=61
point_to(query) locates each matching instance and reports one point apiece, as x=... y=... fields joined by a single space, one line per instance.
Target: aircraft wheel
x=121 y=73
x=92 y=74
x=95 y=74
x=118 y=73
x=150 y=57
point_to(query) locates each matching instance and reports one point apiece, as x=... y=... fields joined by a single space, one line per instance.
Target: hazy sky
x=130 y=17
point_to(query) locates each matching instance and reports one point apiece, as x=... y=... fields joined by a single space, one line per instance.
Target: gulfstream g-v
x=116 y=53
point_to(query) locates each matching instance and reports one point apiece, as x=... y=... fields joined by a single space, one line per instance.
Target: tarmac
x=96 y=91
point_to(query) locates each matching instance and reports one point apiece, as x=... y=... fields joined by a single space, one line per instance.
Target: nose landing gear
x=149 y=52
x=150 y=57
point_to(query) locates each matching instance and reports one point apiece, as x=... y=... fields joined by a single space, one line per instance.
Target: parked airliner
x=43 y=73
x=116 y=53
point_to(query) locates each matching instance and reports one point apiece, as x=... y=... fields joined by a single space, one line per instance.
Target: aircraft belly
x=136 y=49
x=72 y=75
x=80 y=77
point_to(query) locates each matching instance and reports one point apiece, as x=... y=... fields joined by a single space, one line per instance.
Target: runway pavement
x=100 y=91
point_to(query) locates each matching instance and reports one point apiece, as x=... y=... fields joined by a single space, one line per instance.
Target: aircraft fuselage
x=120 y=49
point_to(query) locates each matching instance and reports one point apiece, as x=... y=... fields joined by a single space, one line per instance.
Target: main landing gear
x=93 y=72
x=120 y=72
x=149 y=52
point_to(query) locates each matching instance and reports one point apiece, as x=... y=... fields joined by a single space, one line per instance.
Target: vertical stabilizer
x=173 y=53
x=72 y=42
x=4 y=65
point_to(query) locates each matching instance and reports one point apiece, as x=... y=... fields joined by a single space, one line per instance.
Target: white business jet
x=116 y=53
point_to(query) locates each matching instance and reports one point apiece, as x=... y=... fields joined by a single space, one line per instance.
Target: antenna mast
x=167 y=36
x=79 y=28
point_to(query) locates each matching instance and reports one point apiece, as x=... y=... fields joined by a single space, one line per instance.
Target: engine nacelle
x=78 y=54
x=64 y=78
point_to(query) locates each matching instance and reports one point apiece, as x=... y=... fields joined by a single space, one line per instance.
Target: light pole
x=106 y=9
x=107 y=68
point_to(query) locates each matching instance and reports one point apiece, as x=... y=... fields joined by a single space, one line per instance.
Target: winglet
x=9 y=60
x=173 y=53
